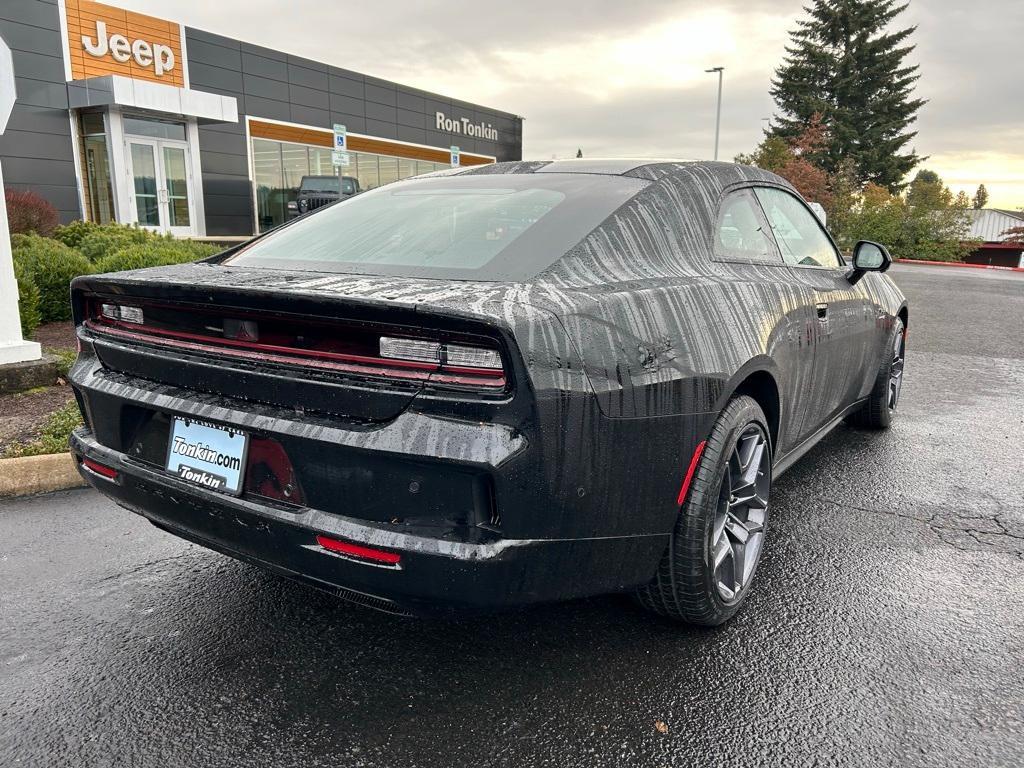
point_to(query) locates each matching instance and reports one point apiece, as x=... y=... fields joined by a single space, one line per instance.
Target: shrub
x=28 y=301
x=51 y=266
x=18 y=240
x=106 y=240
x=54 y=435
x=28 y=212
x=156 y=254
x=74 y=233
x=65 y=359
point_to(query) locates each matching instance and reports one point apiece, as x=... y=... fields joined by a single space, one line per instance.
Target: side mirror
x=869 y=257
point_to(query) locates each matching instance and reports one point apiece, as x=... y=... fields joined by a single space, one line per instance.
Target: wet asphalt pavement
x=886 y=626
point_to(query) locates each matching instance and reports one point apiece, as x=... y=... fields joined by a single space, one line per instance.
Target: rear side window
x=742 y=233
x=478 y=227
x=797 y=231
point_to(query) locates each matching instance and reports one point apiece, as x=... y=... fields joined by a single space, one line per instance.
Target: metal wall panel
x=36 y=150
x=267 y=83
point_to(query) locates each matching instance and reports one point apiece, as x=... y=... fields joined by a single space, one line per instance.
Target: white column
x=13 y=349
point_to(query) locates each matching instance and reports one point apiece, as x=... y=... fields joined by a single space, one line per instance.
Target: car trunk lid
x=355 y=346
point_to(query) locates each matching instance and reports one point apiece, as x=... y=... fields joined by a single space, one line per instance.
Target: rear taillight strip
x=333 y=361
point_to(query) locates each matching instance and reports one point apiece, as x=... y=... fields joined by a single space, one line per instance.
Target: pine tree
x=844 y=64
x=980 y=197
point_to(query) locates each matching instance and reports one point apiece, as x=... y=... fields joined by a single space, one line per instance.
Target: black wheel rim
x=742 y=514
x=896 y=371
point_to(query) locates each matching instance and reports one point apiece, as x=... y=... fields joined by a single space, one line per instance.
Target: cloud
x=627 y=78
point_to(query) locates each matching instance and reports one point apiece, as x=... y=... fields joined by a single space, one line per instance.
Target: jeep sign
x=159 y=57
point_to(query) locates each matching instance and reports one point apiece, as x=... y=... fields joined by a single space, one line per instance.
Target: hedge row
x=45 y=266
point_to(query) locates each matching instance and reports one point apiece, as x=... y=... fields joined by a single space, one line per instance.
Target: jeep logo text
x=159 y=57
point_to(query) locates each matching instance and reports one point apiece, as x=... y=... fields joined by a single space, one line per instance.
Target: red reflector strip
x=100 y=469
x=354 y=550
x=690 y=472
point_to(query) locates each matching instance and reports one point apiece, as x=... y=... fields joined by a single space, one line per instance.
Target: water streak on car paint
x=637 y=321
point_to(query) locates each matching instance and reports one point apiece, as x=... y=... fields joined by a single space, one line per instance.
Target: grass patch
x=30 y=391
x=65 y=359
x=54 y=435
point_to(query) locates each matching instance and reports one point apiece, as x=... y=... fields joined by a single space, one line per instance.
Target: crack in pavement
x=964 y=530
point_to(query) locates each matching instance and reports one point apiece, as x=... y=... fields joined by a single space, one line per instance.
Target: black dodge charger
x=494 y=386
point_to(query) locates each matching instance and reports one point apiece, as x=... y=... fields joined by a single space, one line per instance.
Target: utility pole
x=718 y=112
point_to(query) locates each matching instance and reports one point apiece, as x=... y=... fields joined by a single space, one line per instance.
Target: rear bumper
x=435 y=574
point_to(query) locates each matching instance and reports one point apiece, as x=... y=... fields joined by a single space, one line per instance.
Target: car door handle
x=822 y=308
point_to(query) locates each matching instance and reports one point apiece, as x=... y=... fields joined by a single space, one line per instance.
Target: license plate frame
x=217 y=461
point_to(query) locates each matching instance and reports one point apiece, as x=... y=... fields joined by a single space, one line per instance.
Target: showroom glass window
x=278 y=168
x=99 y=193
x=800 y=236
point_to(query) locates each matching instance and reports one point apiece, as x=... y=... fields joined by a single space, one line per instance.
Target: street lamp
x=718 y=114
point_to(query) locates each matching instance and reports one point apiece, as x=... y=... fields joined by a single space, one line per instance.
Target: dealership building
x=130 y=118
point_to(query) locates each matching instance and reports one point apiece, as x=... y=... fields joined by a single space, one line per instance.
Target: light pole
x=718 y=113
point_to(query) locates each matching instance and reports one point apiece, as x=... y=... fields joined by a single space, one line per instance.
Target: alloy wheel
x=742 y=513
x=896 y=371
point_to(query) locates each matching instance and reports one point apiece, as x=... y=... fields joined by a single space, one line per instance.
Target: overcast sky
x=618 y=78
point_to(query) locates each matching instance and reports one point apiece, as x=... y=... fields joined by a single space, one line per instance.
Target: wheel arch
x=904 y=314
x=759 y=380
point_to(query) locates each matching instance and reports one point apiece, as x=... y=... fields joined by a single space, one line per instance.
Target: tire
x=687 y=585
x=878 y=411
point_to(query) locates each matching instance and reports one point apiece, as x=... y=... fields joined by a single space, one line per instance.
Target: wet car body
x=563 y=481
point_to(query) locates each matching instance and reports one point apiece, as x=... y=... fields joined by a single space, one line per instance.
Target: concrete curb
x=27 y=475
x=923 y=263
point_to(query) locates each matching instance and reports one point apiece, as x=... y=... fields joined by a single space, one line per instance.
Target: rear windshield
x=472 y=227
x=320 y=184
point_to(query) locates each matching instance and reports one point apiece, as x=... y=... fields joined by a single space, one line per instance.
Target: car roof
x=619 y=166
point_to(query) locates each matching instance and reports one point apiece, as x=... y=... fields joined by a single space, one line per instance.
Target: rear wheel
x=718 y=538
x=878 y=411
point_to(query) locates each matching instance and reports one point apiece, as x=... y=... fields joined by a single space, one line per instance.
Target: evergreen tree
x=844 y=64
x=980 y=197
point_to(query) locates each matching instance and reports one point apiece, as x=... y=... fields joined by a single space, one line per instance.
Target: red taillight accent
x=100 y=469
x=286 y=344
x=690 y=472
x=269 y=472
x=357 y=551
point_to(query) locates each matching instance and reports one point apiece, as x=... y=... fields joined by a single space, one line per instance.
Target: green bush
x=54 y=436
x=108 y=239
x=156 y=254
x=28 y=300
x=52 y=266
x=65 y=359
x=74 y=233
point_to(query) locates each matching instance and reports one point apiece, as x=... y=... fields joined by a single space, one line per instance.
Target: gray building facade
x=130 y=118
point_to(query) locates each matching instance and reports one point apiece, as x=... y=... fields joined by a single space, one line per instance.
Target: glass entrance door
x=161 y=185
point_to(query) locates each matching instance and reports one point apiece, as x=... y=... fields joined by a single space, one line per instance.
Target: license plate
x=207 y=455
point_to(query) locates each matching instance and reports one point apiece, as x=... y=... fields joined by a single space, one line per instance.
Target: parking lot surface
x=886 y=626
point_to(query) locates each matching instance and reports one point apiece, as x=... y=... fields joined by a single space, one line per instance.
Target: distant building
x=130 y=118
x=989 y=225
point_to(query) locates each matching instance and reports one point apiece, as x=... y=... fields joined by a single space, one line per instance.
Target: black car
x=317 y=191
x=494 y=386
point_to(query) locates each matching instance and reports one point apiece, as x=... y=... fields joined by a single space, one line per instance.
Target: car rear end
x=406 y=443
